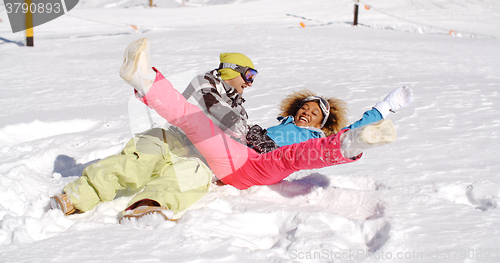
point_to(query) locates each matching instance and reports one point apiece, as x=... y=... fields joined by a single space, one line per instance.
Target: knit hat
x=235 y=58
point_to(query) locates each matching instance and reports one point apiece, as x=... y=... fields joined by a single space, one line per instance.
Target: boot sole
x=129 y=66
x=130 y=217
x=146 y=213
x=382 y=132
x=56 y=202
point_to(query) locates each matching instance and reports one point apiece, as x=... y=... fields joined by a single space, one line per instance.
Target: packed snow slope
x=431 y=196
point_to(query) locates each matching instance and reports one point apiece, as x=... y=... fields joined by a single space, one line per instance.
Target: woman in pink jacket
x=234 y=163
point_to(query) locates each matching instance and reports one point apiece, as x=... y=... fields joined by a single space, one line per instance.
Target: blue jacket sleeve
x=370 y=116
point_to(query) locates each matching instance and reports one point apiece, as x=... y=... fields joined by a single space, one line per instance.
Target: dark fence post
x=356 y=7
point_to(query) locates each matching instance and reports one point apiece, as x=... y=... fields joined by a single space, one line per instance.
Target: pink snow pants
x=232 y=162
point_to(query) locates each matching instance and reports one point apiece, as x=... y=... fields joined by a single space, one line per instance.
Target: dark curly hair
x=338 y=110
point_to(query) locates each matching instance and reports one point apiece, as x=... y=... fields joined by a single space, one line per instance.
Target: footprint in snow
x=483 y=195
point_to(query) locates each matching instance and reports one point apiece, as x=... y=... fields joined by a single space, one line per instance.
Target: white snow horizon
x=431 y=196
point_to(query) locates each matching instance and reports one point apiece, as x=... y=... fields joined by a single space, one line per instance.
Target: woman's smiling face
x=309 y=115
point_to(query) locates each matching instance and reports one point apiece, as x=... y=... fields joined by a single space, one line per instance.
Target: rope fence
x=142 y=28
x=135 y=27
x=444 y=31
x=448 y=31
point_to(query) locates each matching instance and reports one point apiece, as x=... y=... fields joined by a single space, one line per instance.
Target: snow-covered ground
x=431 y=196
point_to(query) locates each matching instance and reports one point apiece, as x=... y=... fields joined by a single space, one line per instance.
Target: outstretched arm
x=369 y=116
x=397 y=99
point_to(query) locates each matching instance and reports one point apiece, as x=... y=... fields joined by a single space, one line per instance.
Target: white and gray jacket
x=220 y=102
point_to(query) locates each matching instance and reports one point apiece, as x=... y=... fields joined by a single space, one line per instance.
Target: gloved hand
x=397 y=99
x=258 y=140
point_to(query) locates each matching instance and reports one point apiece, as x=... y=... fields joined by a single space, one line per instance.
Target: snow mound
x=26 y=132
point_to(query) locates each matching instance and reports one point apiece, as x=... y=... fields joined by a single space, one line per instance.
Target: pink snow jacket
x=232 y=162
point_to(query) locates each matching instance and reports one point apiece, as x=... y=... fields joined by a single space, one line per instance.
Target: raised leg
x=356 y=141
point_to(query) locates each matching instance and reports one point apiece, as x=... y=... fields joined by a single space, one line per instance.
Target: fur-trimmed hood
x=338 y=110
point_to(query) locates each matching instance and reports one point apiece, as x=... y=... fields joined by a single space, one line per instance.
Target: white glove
x=397 y=99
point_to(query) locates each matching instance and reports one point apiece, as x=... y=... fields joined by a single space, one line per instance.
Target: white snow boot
x=136 y=68
x=356 y=141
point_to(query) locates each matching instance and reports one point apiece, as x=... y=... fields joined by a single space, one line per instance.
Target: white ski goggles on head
x=323 y=105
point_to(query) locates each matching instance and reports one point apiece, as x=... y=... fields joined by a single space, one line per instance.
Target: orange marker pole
x=29 y=25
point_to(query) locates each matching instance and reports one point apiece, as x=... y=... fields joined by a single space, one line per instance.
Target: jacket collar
x=290 y=120
x=231 y=92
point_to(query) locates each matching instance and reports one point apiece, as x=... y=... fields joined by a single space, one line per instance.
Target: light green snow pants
x=157 y=163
